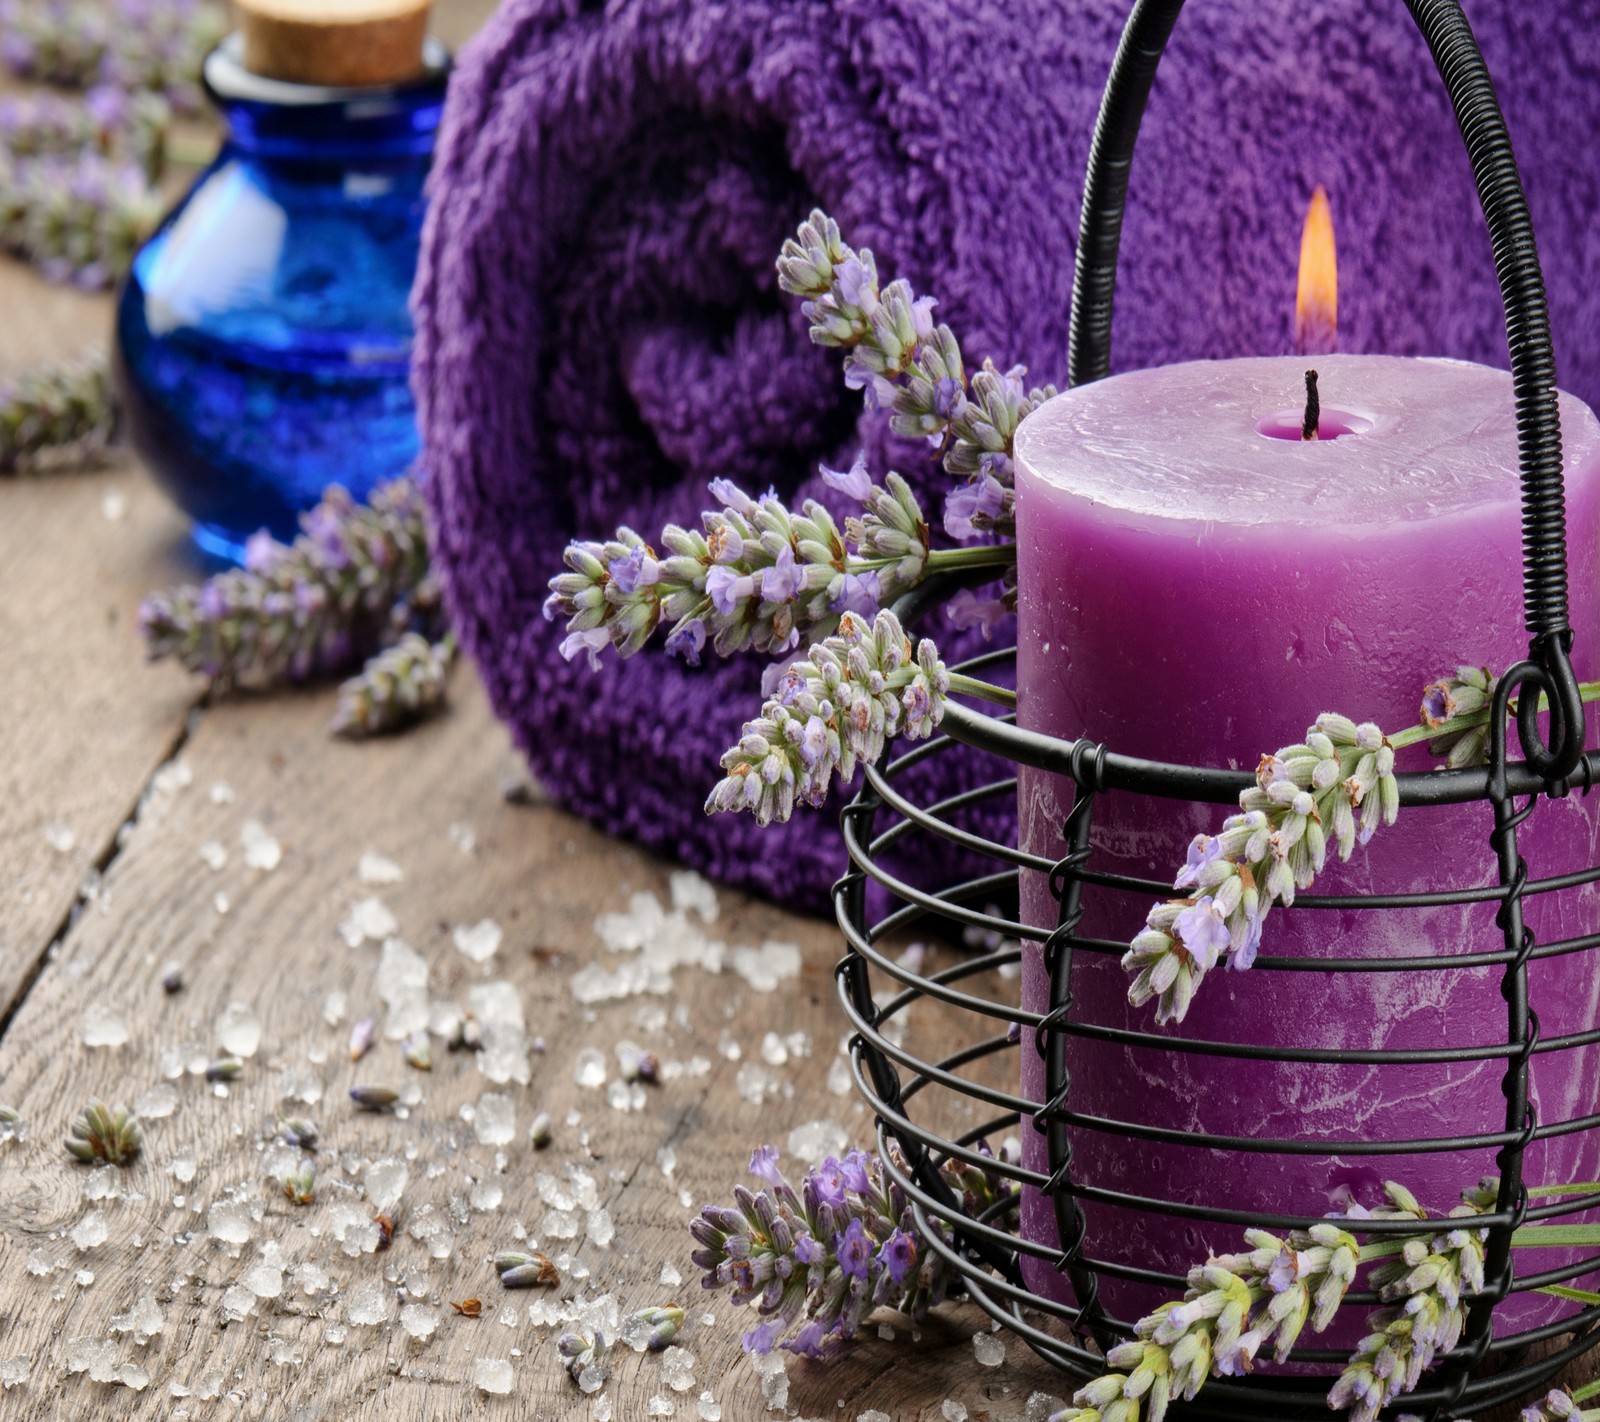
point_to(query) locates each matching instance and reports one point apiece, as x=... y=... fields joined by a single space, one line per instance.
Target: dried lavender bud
x=297 y=1131
x=536 y=1271
x=101 y=1132
x=653 y=1328
x=467 y=1035
x=398 y=687
x=1471 y=689
x=373 y=1098
x=172 y=979
x=225 y=1069
x=300 y=1184
x=417 y=1051
x=582 y=1354
x=312 y=607
x=362 y=1036
x=78 y=219
x=57 y=416
x=539 y=1132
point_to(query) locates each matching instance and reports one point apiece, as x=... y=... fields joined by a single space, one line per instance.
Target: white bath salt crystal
x=485 y=1195
x=402 y=981
x=311 y=1278
x=670 y=1276
x=707 y=1408
x=773 y=1052
x=229 y=1221
x=1041 y=1406
x=102 y=1026
x=370 y=1302
x=239 y=1030
x=183 y=1165
x=480 y=942
x=213 y=855
x=816 y=1140
x=840 y=1080
x=560 y=1224
x=95 y=1356
x=989 y=1349
x=495 y=1122
x=659 y=1406
x=40 y=1262
x=282 y=1353
x=667 y=1161
x=600 y=1229
x=873 y=1415
x=91 y=1231
x=767 y=966
x=83 y=1278
x=385 y=1182
x=593 y=1378
x=886 y=1333
x=155 y=1102
x=131 y=1375
x=693 y=894
x=60 y=837
x=238 y=1302
x=221 y=902
x=419 y=1320
x=144 y=1320
x=492 y=1375
x=774 y=1380
x=953 y=1411
x=303 y=1085
x=264 y=1280
x=368 y=921
x=209 y=1388
x=463 y=836
x=601 y=1411
x=221 y=793
x=375 y=868
x=103 y=1182
x=14 y=1371
x=261 y=850
x=171 y=777
x=755 y=1083
x=589 y=1067
x=353 y=1228
x=334 y=1007
x=677 y=1368
x=685 y=1198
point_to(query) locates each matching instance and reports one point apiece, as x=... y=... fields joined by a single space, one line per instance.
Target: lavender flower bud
x=56 y=416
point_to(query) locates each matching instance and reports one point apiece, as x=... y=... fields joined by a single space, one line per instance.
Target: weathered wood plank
x=543 y=877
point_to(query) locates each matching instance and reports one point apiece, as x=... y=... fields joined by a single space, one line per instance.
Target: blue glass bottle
x=262 y=336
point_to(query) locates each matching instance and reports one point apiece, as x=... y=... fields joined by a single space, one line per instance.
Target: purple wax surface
x=1194 y=590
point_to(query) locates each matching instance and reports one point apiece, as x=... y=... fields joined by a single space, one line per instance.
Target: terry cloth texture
x=599 y=330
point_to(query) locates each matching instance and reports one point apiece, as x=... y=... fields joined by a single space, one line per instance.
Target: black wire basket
x=939 y=1105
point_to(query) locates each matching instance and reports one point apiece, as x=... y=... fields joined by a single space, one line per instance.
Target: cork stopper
x=337 y=43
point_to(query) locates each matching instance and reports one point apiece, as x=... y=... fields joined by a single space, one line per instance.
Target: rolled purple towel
x=599 y=331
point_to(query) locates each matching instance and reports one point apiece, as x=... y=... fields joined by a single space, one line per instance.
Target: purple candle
x=1196 y=584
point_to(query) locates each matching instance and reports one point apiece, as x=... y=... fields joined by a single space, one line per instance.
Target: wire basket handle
x=1516 y=259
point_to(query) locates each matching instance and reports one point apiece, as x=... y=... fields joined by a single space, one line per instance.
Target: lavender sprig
x=759 y=577
x=1470 y=690
x=77 y=218
x=315 y=606
x=1426 y=1289
x=1558 y=1405
x=851 y=694
x=913 y=368
x=62 y=414
x=843 y=1244
x=1305 y=797
x=107 y=120
x=398 y=687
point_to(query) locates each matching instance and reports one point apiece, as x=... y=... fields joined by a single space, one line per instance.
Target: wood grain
x=543 y=877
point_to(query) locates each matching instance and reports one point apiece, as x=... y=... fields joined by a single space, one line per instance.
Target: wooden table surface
x=113 y=774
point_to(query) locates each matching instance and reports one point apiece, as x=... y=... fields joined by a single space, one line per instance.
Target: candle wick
x=1308 y=428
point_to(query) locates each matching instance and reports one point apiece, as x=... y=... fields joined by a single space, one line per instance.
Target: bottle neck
x=274 y=119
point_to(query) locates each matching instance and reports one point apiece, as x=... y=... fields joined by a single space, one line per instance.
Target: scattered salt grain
x=601 y=1412
x=102 y=1026
x=495 y=1120
x=767 y=966
x=375 y=868
x=485 y=1195
x=670 y=1275
x=229 y=1221
x=334 y=1006
x=463 y=836
x=183 y=1165
x=156 y=1101
x=261 y=850
x=589 y=1067
x=601 y=1230
x=1042 y=1405
x=873 y=1415
x=113 y=507
x=492 y=1375
x=774 y=1380
x=402 y=980
x=83 y=1278
x=221 y=793
x=659 y=1406
x=221 y=902
x=989 y=1349
x=213 y=855
x=14 y=1371
x=692 y=893
x=385 y=1182
x=480 y=942
x=144 y=1320
x=677 y=1368
x=353 y=1229
x=816 y=1140
x=953 y=1411
x=370 y=1302
x=95 y=1356
x=419 y=1320
x=238 y=1302
x=369 y=921
x=60 y=838
x=91 y=1231
x=171 y=777
x=707 y=1408
x=264 y=1280
x=239 y=1030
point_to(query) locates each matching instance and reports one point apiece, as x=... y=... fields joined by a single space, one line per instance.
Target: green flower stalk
x=60 y=415
x=400 y=686
x=331 y=598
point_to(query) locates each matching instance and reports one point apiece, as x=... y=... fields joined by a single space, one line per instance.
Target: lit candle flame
x=1316 y=302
